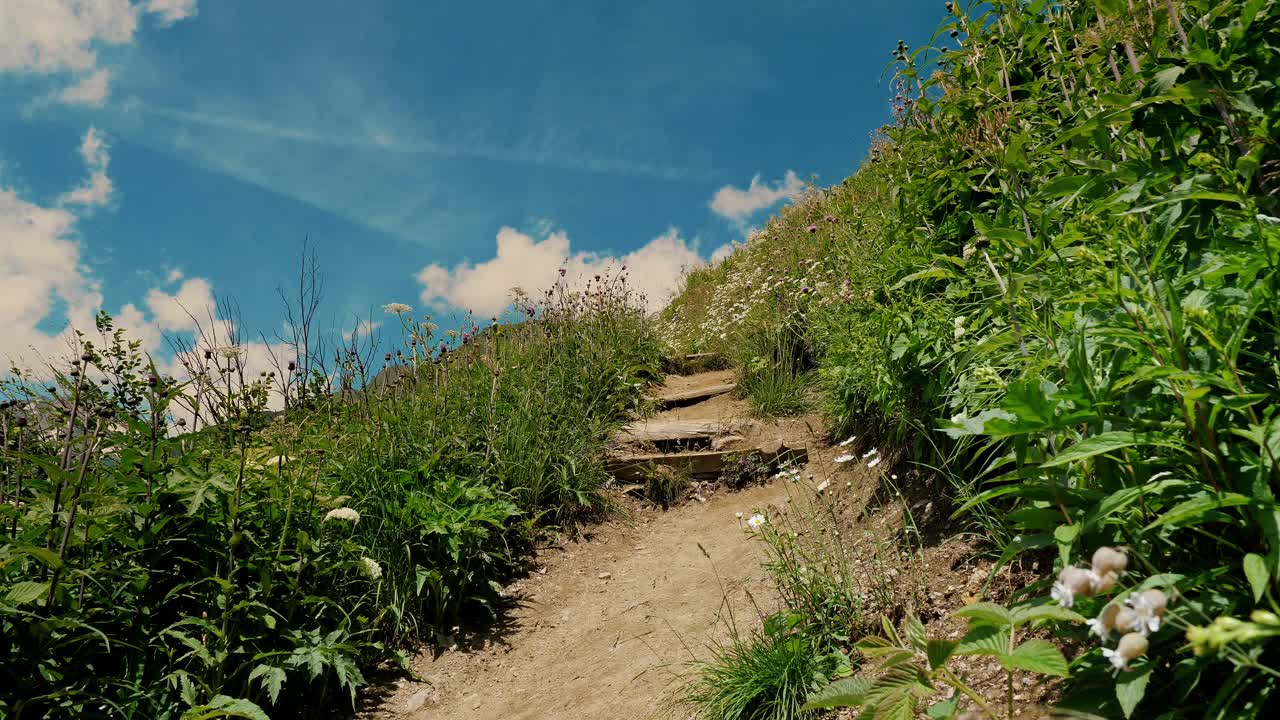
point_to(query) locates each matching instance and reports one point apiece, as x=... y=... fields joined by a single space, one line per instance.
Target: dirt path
x=608 y=623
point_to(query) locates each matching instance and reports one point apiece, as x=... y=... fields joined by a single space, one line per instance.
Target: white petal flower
x=344 y=514
x=755 y=522
x=869 y=453
x=1130 y=648
x=370 y=568
x=875 y=462
x=396 y=308
x=846 y=441
x=231 y=352
x=843 y=459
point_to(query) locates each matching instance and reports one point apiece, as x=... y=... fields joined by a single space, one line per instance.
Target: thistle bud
x=86 y=356
x=182 y=422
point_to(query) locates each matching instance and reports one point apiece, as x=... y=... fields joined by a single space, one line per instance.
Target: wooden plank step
x=706 y=463
x=675 y=430
x=689 y=397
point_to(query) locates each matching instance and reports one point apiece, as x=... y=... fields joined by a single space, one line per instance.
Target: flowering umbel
x=396 y=308
x=370 y=568
x=345 y=514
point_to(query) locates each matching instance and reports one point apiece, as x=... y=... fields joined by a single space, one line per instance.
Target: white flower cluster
x=344 y=514
x=396 y=308
x=1135 y=618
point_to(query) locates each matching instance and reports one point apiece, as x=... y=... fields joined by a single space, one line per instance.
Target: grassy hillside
x=257 y=564
x=1053 y=282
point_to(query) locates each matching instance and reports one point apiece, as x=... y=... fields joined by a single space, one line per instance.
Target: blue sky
x=158 y=151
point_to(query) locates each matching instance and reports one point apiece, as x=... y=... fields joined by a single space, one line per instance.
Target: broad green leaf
x=1255 y=568
x=984 y=640
x=986 y=613
x=944 y=710
x=1131 y=686
x=1036 y=655
x=272 y=678
x=1024 y=615
x=939 y=651
x=47 y=557
x=26 y=591
x=223 y=706
x=847 y=693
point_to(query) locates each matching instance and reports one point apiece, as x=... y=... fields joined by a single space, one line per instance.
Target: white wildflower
x=1130 y=648
x=738 y=515
x=370 y=568
x=843 y=459
x=958 y=331
x=1148 y=608
x=1072 y=581
x=875 y=462
x=755 y=522
x=869 y=453
x=1109 y=560
x=231 y=352
x=845 y=442
x=1105 y=622
x=396 y=308
x=344 y=514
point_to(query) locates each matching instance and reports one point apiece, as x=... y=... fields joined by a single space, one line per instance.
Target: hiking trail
x=606 y=624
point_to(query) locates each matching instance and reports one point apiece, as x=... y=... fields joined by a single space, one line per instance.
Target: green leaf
x=1040 y=656
x=984 y=640
x=1105 y=443
x=223 y=706
x=939 y=651
x=986 y=613
x=47 y=557
x=847 y=693
x=26 y=591
x=944 y=710
x=1191 y=512
x=272 y=678
x=1045 y=612
x=1131 y=686
x=1255 y=568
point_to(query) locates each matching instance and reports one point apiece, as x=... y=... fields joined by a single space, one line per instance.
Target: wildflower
x=1072 y=581
x=968 y=251
x=843 y=459
x=869 y=453
x=738 y=515
x=396 y=308
x=813 y=228
x=1105 y=622
x=958 y=331
x=1130 y=648
x=1148 y=608
x=875 y=462
x=847 y=441
x=1109 y=560
x=755 y=522
x=231 y=352
x=344 y=514
x=370 y=568
x=562 y=272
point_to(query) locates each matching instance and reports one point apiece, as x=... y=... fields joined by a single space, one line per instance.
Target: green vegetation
x=253 y=564
x=1054 y=282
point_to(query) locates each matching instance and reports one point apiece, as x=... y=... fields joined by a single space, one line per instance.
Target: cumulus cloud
x=92 y=89
x=532 y=264
x=48 y=37
x=97 y=188
x=171 y=11
x=45 y=287
x=738 y=204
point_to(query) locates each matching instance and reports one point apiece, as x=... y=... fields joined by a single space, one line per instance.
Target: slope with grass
x=1053 y=285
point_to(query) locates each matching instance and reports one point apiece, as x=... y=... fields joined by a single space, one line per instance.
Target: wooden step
x=702 y=464
x=681 y=398
x=677 y=430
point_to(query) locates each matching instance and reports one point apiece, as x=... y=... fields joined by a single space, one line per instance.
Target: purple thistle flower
x=813 y=228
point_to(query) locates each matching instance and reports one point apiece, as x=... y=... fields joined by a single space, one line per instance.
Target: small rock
x=604 y=575
x=417 y=700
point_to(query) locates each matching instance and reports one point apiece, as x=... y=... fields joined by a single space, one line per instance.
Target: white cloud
x=97 y=188
x=533 y=265
x=171 y=11
x=49 y=37
x=738 y=205
x=45 y=287
x=174 y=312
x=722 y=252
x=363 y=329
x=92 y=89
